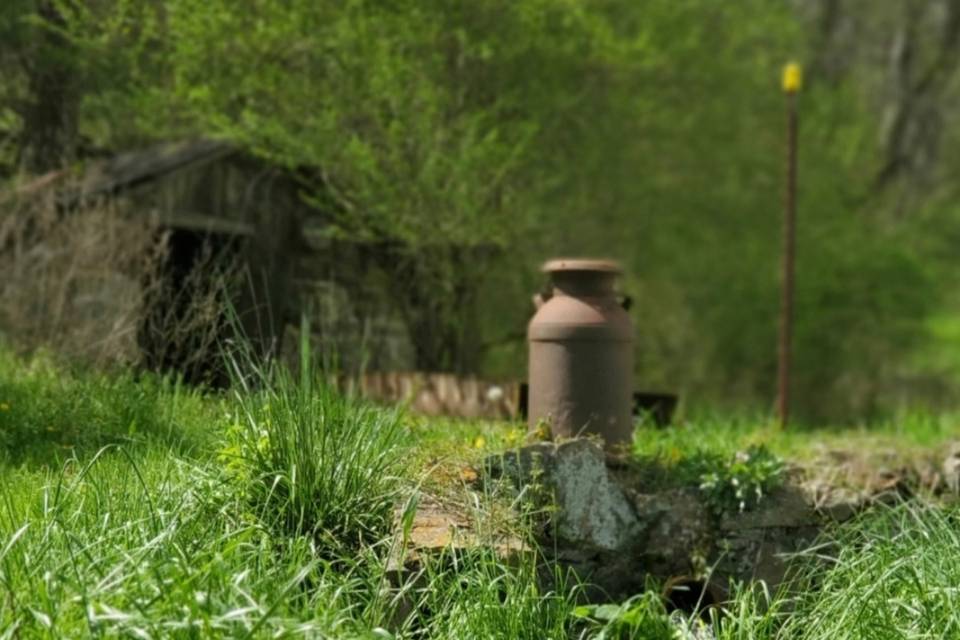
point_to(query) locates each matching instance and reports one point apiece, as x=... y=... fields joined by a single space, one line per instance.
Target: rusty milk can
x=581 y=354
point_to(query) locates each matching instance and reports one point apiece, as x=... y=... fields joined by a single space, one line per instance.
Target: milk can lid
x=582 y=264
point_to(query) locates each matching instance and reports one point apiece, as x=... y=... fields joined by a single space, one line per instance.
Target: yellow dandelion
x=479 y=442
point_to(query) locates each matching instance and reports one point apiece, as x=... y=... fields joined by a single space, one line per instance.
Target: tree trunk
x=50 y=114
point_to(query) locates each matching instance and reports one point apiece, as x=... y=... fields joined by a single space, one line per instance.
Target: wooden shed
x=210 y=200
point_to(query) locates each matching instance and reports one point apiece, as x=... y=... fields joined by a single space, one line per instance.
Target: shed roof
x=131 y=168
x=116 y=174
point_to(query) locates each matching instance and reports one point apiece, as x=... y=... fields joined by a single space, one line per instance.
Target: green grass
x=263 y=513
x=48 y=413
x=151 y=546
x=722 y=435
x=681 y=454
x=893 y=573
x=134 y=507
x=476 y=595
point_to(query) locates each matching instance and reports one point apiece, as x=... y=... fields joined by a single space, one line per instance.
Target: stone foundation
x=616 y=535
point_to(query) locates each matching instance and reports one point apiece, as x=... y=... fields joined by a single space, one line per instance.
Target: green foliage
x=888 y=574
x=418 y=120
x=642 y=616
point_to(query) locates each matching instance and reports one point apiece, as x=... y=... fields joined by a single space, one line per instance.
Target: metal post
x=791 y=85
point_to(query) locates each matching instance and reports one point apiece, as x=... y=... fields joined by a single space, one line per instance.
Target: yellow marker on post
x=792 y=78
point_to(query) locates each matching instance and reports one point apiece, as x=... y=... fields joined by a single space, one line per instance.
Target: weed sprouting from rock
x=741 y=482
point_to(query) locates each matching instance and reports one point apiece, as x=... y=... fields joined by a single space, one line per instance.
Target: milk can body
x=581 y=354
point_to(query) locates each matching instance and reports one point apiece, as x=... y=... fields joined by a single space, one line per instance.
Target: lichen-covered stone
x=522 y=466
x=678 y=531
x=594 y=510
x=785 y=507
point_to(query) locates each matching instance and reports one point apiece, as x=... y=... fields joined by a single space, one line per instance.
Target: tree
x=43 y=92
x=414 y=125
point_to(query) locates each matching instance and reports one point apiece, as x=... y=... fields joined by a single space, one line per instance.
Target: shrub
x=312 y=461
x=73 y=283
